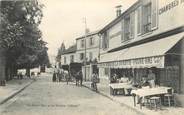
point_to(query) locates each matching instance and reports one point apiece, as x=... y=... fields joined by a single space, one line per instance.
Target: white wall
x=168 y=20
x=94 y=48
x=68 y=58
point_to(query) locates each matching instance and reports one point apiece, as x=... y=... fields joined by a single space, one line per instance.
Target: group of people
x=148 y=80
x=60 y=74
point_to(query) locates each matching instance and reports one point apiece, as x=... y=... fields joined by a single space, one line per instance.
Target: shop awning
x=149 y=54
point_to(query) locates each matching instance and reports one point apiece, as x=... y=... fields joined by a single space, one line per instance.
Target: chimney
x=118 y=10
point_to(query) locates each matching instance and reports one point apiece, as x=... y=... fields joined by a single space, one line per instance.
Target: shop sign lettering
x=170 y=6
x=157 y=61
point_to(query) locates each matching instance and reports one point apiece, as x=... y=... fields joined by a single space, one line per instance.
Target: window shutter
x=107 y=39
x=142 y=19
x=103 y=41
x=139 y=20
x=122 y=30
x=132 y=23
x=154 y=14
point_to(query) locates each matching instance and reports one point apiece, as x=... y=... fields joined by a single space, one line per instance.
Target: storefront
x=163 y=56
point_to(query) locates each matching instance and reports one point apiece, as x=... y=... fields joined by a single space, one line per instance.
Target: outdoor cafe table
x=118 y=86
x=143 y=92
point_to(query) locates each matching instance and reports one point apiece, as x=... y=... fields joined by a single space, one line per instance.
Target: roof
x=119 y=18
x=71 y=49
x=88 y=34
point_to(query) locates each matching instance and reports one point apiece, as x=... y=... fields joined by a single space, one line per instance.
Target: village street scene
x=91 y=57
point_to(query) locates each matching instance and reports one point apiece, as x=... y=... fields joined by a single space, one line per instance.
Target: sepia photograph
x=91 y=57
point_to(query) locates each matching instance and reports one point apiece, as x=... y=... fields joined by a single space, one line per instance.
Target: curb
x=121 y=104
x=17 y=92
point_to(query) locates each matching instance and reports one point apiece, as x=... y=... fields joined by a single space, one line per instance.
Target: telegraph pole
x=85 y=48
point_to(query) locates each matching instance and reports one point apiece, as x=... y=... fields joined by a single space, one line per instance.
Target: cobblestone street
x=44 y=97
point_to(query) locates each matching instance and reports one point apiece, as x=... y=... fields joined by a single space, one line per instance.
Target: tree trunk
x=28 y=72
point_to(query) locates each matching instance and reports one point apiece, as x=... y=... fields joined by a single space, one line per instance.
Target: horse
x=78 y=78
x=66 y=76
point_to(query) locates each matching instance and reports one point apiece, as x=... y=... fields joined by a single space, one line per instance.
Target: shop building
x=89 y=45
x=148 y=35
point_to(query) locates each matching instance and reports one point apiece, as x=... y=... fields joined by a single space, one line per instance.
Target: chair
x=147 y=102
x=169 y=99
x=155 y=102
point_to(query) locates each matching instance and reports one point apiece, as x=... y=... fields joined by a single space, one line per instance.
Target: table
x=143 y=92
x=118 y=86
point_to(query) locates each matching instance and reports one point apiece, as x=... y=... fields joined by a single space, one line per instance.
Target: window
x=64 y=60
x=127 y=28
x=81 y=56
x=91 y=41
x=90 y=56
x=106 y=72
x=72 y=58
x=147 y=18
x=82 y=43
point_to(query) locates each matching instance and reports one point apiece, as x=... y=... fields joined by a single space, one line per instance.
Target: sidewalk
x=12 y=88
x=104 y=90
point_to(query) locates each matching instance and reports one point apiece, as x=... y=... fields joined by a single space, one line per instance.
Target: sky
x=63 y=20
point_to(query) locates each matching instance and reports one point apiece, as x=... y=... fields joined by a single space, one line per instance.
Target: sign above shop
x=157 y=61
x=170 y=6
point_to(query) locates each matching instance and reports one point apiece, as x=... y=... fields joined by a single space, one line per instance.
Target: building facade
x=68 y=56
x=90 y=45
x=149 y=34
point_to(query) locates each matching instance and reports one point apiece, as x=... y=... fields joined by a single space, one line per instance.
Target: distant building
x=68 y=56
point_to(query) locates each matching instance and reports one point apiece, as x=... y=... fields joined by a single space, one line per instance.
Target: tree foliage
x=20 y=35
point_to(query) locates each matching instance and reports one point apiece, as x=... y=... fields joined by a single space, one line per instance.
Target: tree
x=20 y=35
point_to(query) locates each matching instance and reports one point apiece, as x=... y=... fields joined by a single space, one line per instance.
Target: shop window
x=169 y=76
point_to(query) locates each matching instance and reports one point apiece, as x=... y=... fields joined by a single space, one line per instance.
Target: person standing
x=67 y=76
x=94 y=81
x=151 y=78
x=54 y=77
x=80 y=77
